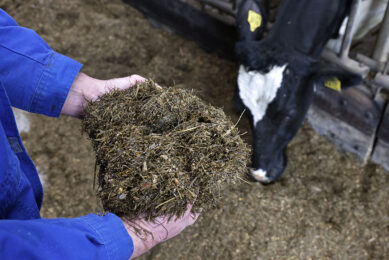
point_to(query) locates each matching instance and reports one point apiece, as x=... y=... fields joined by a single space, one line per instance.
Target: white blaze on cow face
x=259 y=175
x=258 y=90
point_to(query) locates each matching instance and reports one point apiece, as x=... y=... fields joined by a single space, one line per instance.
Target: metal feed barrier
x=356 y=120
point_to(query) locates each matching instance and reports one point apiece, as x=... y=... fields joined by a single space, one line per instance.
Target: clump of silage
x=160 y=149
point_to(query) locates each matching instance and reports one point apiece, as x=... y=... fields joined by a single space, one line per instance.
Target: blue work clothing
x=35 y=78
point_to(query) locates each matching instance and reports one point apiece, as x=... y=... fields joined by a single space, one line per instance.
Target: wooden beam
x=349 y=119
x=191 y=23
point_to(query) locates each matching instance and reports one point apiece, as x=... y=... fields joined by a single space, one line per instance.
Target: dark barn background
x=327 y=205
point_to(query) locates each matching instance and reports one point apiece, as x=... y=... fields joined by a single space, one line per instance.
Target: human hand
x=147 y=234
x=87 y=88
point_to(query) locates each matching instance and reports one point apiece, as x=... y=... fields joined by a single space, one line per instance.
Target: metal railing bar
x=348 y=36
x=382 y=46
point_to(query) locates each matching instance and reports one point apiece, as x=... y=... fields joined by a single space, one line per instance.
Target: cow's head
x=277 y=90
x=277 y=75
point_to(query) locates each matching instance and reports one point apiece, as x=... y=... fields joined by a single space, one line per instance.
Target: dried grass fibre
x=160 y=149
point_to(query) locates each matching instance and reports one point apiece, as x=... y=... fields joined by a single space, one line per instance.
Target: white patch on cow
x=260 y=175
x=258 y=90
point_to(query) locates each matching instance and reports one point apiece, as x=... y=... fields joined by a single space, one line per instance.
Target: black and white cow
x=277 y=74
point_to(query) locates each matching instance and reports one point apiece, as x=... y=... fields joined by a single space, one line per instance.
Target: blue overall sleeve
x=88 y=237
x=36 y=78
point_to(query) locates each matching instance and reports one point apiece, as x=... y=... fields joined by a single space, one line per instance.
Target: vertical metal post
x=382 y=46
x=348 y=36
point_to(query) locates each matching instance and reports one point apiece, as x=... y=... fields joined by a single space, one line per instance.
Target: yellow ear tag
x=334 y=83
x=255 y=20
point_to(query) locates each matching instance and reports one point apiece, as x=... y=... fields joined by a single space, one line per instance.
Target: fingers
x=123 y=83
x=188 y=217
x=191 y=216
x=133 y=79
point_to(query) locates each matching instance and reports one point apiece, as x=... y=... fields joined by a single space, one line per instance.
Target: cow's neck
x=307 y=25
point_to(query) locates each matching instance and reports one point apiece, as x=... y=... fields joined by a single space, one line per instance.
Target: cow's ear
x=251 y=19
x=336 y=79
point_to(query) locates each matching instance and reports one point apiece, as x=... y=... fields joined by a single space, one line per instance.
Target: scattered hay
x=160 y=149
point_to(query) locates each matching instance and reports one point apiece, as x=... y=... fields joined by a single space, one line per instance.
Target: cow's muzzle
x=270 y=175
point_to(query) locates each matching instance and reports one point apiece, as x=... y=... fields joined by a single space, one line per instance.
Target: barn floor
x=326 y=206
